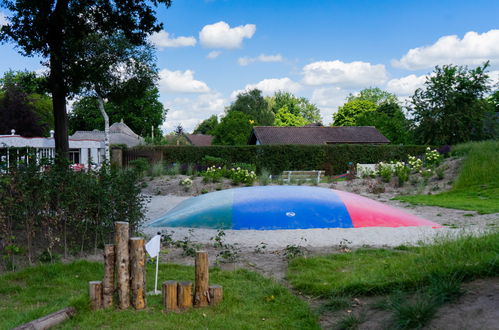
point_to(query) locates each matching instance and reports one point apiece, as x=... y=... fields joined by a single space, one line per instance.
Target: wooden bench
x=288 y=176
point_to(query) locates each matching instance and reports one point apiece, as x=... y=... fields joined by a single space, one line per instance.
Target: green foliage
x=450 y=108
x=402 y=172
x=380 y=271
x=374 y=95
x=477 y=185
x=207 y=126
x=277 y=158
x=253 y=104
x=64 y=210
x=284 y=117
x=347 y=114
x=385 y=171
x=300 y=107
x=234 y=129
x=45 y=289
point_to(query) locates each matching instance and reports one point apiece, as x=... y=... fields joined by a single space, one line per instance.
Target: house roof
x=317 y=135
x=199 y=139
x=119 y=133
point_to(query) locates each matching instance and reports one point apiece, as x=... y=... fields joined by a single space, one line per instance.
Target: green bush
x=333 y=159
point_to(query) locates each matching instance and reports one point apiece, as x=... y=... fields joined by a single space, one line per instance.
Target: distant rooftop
x=199 y=139
x=119 y=133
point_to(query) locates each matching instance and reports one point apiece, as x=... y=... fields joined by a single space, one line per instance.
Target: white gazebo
x=81 y=151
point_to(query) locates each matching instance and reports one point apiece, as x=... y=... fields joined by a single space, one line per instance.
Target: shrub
x=401 y=172
x=384 y=171
x=432 y=158
x=239 y=175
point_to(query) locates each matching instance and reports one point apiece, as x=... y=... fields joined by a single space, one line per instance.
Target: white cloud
x=473 y=49
x=180 y=82
x=162 y=39
x=406 y=85
x=213 y=54
x=269 y=86
x=328 y=100
x=494 y=78
x=345 y=75
x=260 y=58
x=221 y=35
x=3 y=19
x=190 y=111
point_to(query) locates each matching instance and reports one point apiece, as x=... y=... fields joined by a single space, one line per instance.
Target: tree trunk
x=57 y=81
x=216 y=294
x=106 y=127
x=184 y=295
x=122 y=263
x=201 y=294
x=95 y=293
x=108 y=283
x=138 y=272
x=170 y=296
x=49 y=321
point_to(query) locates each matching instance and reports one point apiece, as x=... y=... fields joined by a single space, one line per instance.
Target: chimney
x=52 y=133
x=12 y=132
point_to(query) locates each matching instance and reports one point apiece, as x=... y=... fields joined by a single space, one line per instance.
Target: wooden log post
x=201 y=294
x=49 y=321
x=184 y=295
x=108 y=282
x=170 y=296
x=216 y=294
x=95 y=293
x=138 y=272
x=122 y=263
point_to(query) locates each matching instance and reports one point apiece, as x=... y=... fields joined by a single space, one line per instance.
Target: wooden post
x=108 y=282
x=138 y=272
x=95 y=293
x=122 y=263
x=184 y=295
x=170 y=296
x=216 y=294
x=201 y=294
x=49 y=321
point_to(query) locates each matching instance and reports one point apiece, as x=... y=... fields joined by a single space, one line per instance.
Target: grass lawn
x=250 y=301
x=381 y=271
x=477 y=185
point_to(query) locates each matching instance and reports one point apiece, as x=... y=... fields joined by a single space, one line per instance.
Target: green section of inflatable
x=216 y=212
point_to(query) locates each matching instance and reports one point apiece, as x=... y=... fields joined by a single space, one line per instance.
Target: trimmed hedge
x=277 y=158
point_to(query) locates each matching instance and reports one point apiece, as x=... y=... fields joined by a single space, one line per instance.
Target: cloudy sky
x=210 y=50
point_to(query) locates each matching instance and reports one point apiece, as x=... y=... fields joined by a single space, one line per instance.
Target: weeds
x=349 y=322
x=229 y=252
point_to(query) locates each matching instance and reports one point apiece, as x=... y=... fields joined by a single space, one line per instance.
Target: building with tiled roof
x=119 y=133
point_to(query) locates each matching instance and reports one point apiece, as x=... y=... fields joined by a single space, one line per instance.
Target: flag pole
x=156 y=280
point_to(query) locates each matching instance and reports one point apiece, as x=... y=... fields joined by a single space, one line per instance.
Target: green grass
x=477 y=185
x=37 y=291
x=381 y=271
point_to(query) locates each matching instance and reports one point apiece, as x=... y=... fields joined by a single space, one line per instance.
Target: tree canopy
x=234 y=129
x=254 y=105
x=450 y=108
x=374 y=95
x=284 y=117
x=347 y=114
x=57 y=31
x=300 y=107
x=207 y=126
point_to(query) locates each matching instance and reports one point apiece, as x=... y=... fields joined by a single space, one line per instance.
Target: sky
x=324 y=50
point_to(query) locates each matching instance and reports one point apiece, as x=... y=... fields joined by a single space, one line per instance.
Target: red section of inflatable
x=366 y=212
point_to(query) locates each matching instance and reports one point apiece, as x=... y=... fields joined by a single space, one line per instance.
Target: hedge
x=333 y=159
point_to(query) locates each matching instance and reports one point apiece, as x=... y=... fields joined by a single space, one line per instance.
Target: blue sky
x=212 y=49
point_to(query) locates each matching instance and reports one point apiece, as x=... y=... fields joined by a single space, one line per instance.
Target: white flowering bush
x=402 y=172
x=186 y=182
x=385 y=171
x=415 y=164
x=426 y=173
x=432 y=158
x=239 y=175
x=364 y=171
x=214 y=173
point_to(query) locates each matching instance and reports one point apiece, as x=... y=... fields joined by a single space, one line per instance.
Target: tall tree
x=253 y=104
x=56 y=30
x=284 y=117
x=298 y=106
x=32 y=89
x=234 y=129
x=450 y=108
x=207 y=126
x=347 y=114
x=374 y=95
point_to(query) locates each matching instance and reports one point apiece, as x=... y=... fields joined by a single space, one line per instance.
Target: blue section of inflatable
x=261 y=208
x=288 y=207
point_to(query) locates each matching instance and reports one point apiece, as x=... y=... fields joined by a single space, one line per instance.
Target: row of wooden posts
x=125 y=260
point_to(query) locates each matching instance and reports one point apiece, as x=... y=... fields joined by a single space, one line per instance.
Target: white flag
x=153 y=246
